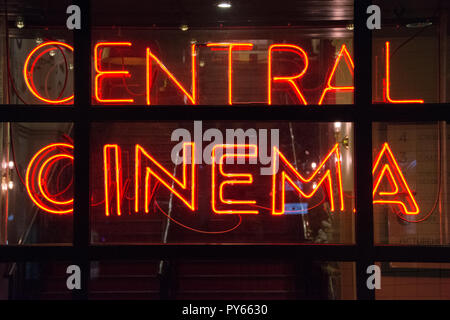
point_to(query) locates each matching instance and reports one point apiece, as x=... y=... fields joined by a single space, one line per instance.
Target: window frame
x=364 y=252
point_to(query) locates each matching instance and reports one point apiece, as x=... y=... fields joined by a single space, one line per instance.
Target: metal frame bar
x=82 y=100
x=364 y=252
x=362 y=40
x=289 y=252
x=376 y=113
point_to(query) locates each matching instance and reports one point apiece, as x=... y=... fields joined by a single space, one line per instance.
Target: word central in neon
x=190 y=91
x=149 y=173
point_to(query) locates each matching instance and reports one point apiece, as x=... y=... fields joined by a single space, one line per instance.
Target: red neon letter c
x=28 y=76
x=44 y=159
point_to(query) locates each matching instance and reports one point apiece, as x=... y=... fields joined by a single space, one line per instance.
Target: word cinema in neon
x=390 y=185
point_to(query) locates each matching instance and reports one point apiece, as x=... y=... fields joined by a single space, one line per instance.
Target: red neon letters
x=386 y=166
x=289 y=79
x=28 y=75
x=101 y=75
x=388 y=81
x=37 y=177
x=231 y=47
x=151 y=59
x=217 y=178
x=348 y=59
x=287 y=172
x=149 y=55
x=184 y=190
x=107 y=176
x=327 y=175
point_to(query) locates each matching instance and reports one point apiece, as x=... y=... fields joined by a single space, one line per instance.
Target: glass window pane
x=3 y=282
x=289 y=182
x=410 y=205
x=208 y=57
x=410 y=53
x=124 y=280
x=414 y=281
x=269 y=280
x=35 y=281
x=36 y=189
x=39 y=65
x=221 y=280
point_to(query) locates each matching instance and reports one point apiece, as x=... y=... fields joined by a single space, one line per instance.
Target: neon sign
x=400 y=193
x=290 y=79
x=387 y=91
x=291 y=82
x=28 y=74
x=231 y=47
x=246 y=178
x=149 y=173
x=184 y=190
x=351 y=66
x=101 y=75
x=149 y=55
x=289 y=174
x=38 y=174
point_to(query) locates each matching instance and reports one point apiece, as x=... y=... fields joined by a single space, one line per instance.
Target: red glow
x=35 y=188
x=28 y=76
x=35 y=55
x=107 y=175
x=231 y=47
x=290 y=79
x=391 y=180
x=348 y=59
x=388 y=81
x=385 y=166
x=192 y=97
x=185 y=190
x=282 y=176
x=101 y=75
x=40 y=180
x=398 y=183
x=245 y=178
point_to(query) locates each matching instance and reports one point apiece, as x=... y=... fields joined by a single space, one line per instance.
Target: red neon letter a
x=343 y=53
x=287 y=173
x=184 y=190
x=386 y=167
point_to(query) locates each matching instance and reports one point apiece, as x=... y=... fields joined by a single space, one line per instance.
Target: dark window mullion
x=363 y=149
x=82 y=91
x=345 y=113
